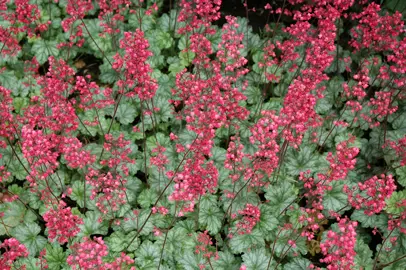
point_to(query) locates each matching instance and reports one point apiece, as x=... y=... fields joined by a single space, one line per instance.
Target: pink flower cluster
x=372 y=195
x=6 y=130
x=229 y=48
x=250 y=217
x=77 y=10
x=198 y=13
x=298 y=113
x=6 y=108
x=398 y=221
x=136 y=68
x=12 y=250
x=195 y=179
x=61 y=223
x=375 y=31
x=75 y=156
x=234 y=157
x=159 y=159
x=343 y=162
x=210 y=102
x=205 y=245
x=264 y=134
x=108 y=188
x=39 y=149
x=338 y=248
x=89 y=254
x=400 y=149
x=55 y=89
x=311 y=215
x=119 y=150
x=88 y=92
x=25 y=19
x=160 y=209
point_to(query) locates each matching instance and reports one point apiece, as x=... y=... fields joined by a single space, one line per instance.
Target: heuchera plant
x=144 y=134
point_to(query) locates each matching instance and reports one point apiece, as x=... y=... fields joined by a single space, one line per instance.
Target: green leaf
x=379 y=221
x=29 y=263
x=17 y=169
x=241 y=242
x=187 y=137
x=91 y=115
x=218 y=155
x=77 y=194
x=208 y=201
x=183 y=43
x=27 y=234
x=175 y=65
x=14 y=213
x=395 y=5
x=165 y=84
x=281 y=196
x=147 y=198
x=363 y=257
x=156 y=62
x=163 y=115
x=267 y=222
x=134 y=222
x=253 y=94
x=118 y=241
x=256 y=259
x=148 y=255
x=324 y=104
x=42 y=49
x=339 y=65
x=170 y=24
x=304 y=159
x=211 y=218
x=92 y=225
x=147 y=22
x=226 y=261
x=34 y=200
x=104 y=44
x=245 y=28
x=392 y=203
x=8 y=79
x=94 y=28
x=160 y=138
x=298 y=264
x=55 y=256
x=186 y=58
x=19 y=103
x=335 y=199
x=240 y=201
x=109 y=76
x=282 y=246
x=191 y=261
x=7 y=154
x=157 y=181
x=134 y=187
x=126 y=113
x=17 y=190
x=107 y=73
x=401 y=173
x=178 y=240
x=163 y=39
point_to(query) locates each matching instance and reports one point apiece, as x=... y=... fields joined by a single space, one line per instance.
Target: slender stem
x=392 y=262
x=273 y=249
x=160 y=195
x=380 y=249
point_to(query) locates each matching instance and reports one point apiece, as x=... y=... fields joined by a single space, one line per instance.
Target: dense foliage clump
x=156 y=135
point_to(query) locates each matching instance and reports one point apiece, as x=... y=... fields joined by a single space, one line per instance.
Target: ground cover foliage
x=171 y=135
